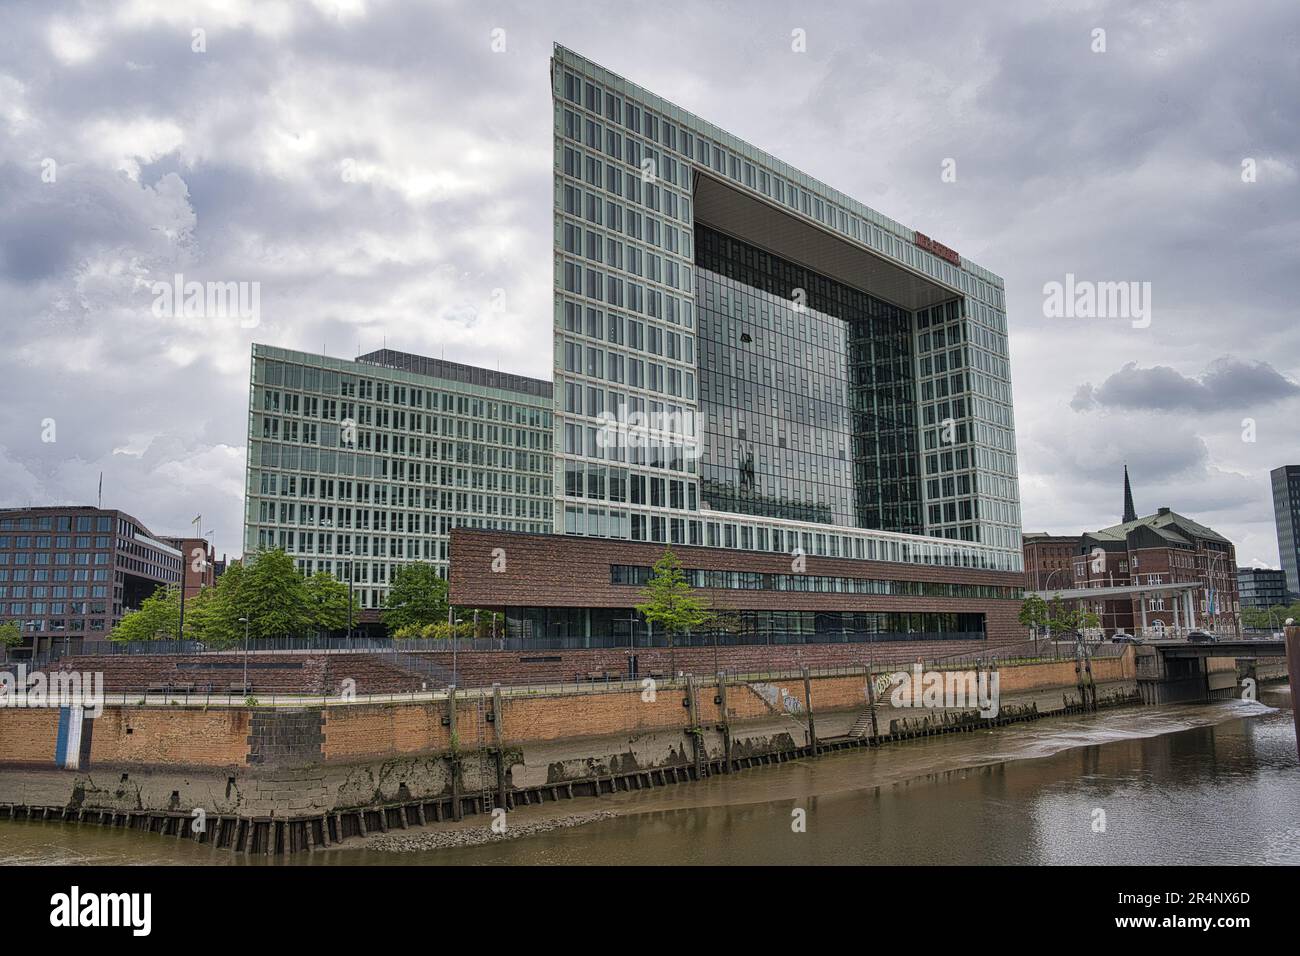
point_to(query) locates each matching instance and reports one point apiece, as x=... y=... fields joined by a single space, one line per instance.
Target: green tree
x=1034 y=614
x=157 y=618
x=11 y=634
x=273 y=596
x=1066 y=618
x=1274 y=618
x=418 y=597
x=669 y=599
x=327 y=601
x=1257 y=618
x=222 y=620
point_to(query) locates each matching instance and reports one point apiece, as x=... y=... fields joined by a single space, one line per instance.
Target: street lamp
x=1047 y=586
x=1212 y=558
x=244 y=621
x=455 y=631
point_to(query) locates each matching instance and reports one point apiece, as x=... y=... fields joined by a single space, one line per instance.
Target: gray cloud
x=1229 y=384
x=228 y=165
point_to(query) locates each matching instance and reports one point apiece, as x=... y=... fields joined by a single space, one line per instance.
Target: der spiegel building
x=752 y=368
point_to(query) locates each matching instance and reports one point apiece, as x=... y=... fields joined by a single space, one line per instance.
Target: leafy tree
x=273 y=596
x=223 y=627
x=669 y=599
x=11 y=634
x=327 y=601
x=1034 y=613
x=418 y=597
x=157 y=618
x=199 y=615
x=1272 y=618
x=1066 y=618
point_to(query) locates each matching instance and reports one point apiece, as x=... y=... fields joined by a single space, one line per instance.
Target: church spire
x=1130 y=513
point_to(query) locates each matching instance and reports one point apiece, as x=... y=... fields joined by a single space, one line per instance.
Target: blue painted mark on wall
x=67 y=747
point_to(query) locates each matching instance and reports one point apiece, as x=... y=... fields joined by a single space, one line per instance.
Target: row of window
x=600 y=103
x=55 y=625
x=59 y=523
x=307 y=378
x=45 y=591
x=24 y=541
x=269 y=454
x=59 y=557
x=640 y=575
x=56 y=574
x=275 y=484
x=294 y=513
x=666 y=529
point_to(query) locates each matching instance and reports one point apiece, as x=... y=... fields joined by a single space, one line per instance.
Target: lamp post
x=31 y=626
x=1047 y=586
x=455 y=630
x=244 y=621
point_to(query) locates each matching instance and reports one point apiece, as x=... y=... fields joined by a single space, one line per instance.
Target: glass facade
x=855 y=427
x=1286 y=516
x=572 y=627
x=807 y=393
x=774 y=389
x=359 y=467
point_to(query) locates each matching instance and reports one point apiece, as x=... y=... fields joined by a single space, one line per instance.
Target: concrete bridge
x=1177 y=671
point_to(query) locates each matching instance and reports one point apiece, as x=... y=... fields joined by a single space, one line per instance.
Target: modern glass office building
x=746 y=358
x=372 y=462
x=1286 y=515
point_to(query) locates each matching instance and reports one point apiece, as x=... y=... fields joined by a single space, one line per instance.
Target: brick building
x=70 y=572
x=563 y=591
x=1049 y=560
x=201 y=565
x=1161 y=549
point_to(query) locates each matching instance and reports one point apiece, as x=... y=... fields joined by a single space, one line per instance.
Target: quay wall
x=406 y=761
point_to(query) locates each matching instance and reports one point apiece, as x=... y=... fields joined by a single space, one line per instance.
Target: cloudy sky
x=379 y=169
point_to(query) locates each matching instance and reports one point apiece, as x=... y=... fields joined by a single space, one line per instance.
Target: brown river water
x=1185 y=784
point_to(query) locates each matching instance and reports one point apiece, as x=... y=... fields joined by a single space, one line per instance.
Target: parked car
x=1119 y=637
x=1201 y=637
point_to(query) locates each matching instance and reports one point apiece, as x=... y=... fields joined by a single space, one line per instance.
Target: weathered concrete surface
x=308 y=761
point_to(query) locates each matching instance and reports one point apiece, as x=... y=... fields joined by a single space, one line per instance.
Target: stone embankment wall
x=285 y=778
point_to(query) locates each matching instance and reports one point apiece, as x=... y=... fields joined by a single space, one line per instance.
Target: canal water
x=1216 y=783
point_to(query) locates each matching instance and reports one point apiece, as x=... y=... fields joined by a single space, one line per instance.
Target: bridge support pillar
x=1293 y=675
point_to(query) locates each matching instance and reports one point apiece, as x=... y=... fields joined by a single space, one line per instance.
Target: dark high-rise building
x=70 y=572
x=1286 y=515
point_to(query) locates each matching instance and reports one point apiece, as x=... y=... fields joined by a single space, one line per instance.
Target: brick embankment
x=483 y=668
x=276 y=780
x=267 y=673
x=317 y=673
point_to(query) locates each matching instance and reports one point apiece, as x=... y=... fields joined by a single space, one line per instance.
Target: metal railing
x=164 y=692
x=364 y=644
